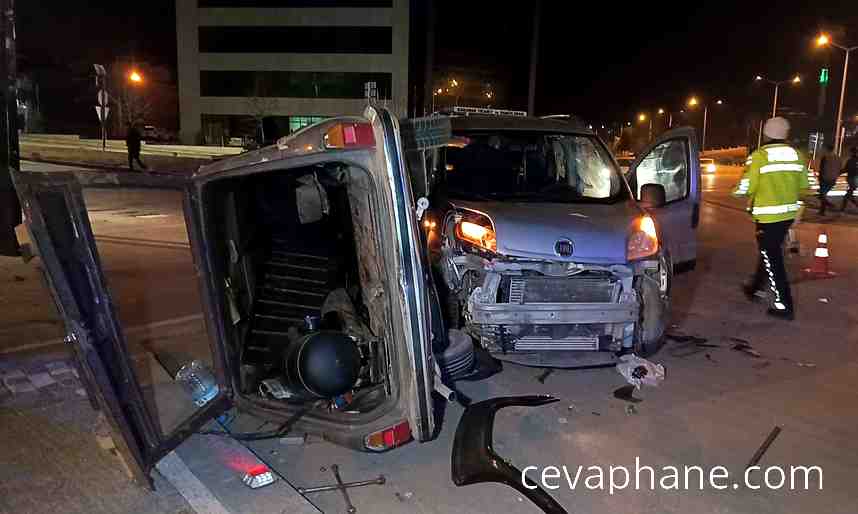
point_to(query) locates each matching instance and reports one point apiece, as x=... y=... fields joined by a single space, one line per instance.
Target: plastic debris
x=823 y=300
x=572 y=407
x=805 y=364
x=293 y=440
x=637 y=371
x=626 y=393
x=544 y=375
x=631 y=410
x=407 y=495
x=595 y=413
x=562 y=421
x=745 y=347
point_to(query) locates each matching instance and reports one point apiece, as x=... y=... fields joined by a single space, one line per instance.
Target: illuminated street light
x=641 y=117
x=135 y=77
x=693 y=102
x=661 y=111
x=795 y=81
x=825 y=40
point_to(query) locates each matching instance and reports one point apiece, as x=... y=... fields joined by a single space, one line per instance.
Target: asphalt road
x=715 y=407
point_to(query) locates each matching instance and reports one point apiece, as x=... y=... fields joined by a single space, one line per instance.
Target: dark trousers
x=824 y=189
x=771 y=272
x=135 y=156
x=849 y=192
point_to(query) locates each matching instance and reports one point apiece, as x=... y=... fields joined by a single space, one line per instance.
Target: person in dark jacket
x=851 y=178
x=133 y=141
x=829 y=170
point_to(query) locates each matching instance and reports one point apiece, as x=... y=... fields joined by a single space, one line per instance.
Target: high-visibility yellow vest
x=775 y=178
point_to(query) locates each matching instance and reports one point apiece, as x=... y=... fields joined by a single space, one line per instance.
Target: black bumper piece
x=474 y=460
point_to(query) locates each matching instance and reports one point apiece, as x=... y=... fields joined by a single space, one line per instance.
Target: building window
x=296 y=123
x=295 y=3
x=292 y=84
x=297 y=39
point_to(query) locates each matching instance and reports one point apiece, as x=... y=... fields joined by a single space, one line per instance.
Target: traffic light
x=823 y=76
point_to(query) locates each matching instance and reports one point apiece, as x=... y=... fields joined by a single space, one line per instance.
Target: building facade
x=282 y=64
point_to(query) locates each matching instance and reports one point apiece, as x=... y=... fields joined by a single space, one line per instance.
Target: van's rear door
x=412 y=304
x=109 y=258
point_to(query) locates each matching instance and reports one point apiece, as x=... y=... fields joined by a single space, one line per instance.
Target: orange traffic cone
x=819 y=269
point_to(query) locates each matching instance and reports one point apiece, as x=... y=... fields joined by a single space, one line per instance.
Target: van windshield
x=529 y=167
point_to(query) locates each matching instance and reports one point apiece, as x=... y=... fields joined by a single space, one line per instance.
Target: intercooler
x=538 y=289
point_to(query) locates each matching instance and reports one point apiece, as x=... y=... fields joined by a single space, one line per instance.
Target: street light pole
x=838 y=140
x=775 y=101
x=705 y=120
x=825 y=40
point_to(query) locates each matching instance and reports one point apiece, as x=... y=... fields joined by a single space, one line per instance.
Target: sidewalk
x=51 y=461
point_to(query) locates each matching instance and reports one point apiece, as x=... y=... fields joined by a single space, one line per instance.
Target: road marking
x=129 y=331
x=200 y=497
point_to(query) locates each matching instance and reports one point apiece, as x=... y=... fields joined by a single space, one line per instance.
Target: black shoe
x=781 y=314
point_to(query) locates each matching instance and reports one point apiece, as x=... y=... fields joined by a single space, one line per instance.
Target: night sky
x=604 y=65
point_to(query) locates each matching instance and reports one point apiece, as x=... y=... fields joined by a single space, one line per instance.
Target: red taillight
x=345 y=135
x=391 y=437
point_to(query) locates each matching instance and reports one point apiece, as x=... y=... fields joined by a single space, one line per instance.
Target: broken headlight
x=477 y=230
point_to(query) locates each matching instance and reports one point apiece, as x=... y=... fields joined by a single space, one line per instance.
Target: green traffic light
x=823 y=76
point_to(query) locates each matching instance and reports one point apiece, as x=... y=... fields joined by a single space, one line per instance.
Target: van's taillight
x=349 y=135
x=388 y=438
x=258 y=476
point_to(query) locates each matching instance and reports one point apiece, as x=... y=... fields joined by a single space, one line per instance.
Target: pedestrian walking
x=134 y=141
x=830 y=167
x=775 y=177
x=851 y=178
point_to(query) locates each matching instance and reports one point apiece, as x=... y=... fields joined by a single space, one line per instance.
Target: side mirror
x=653 y=195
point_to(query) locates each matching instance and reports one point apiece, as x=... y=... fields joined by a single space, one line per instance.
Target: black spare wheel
x=322 y=364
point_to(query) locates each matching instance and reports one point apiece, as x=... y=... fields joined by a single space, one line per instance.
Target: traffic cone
x=819 y=269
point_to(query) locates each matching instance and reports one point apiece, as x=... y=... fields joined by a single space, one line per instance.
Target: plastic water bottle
x=198 y=381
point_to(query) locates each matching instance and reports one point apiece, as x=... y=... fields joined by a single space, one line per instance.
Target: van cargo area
x=294 y=249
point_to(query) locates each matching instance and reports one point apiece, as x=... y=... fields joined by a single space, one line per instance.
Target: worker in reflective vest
x=775 y=178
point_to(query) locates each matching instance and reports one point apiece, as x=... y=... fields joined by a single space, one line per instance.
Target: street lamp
x=642 y=118
x=777 y=83
x=825 y=40
x=694 y=102
x=135 y=78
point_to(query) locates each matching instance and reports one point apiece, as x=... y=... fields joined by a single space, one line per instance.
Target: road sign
x=98 y=109
x=102 y=97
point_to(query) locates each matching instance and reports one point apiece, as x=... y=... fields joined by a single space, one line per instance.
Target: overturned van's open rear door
x=413 y=320
x=158 y=382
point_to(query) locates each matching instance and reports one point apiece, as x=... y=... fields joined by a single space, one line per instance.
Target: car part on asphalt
x=745 y=347
x=626 y=393
x=638 y=371
x=474 y=460
x=342 y=486
x=764 y=447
